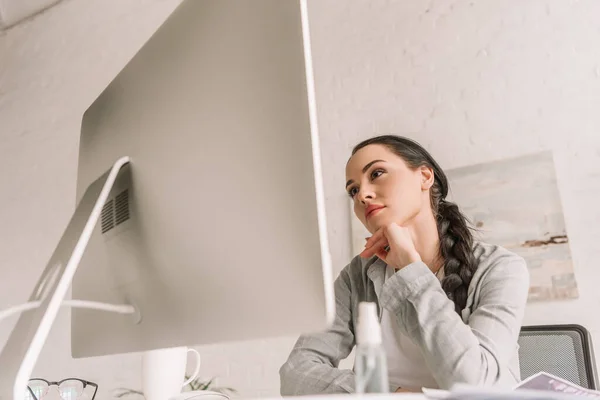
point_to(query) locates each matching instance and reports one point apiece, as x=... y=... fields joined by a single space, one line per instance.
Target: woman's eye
x=352 y=192
x=376 y=173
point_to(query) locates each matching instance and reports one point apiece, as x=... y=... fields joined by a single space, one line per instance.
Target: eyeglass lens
x=69 y=389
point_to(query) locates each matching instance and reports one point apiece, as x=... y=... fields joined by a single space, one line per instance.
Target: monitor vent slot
x=115 y=211
x=122 y=207
x=108 y=216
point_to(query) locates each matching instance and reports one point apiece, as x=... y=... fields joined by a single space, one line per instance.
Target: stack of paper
x=541 y=386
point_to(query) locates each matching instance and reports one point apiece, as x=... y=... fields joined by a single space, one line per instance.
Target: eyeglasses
x=69 y=389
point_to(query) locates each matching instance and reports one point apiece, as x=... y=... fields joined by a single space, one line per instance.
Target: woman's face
x=384 y=188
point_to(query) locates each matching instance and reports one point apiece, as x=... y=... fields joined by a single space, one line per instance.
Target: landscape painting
x=516 y=203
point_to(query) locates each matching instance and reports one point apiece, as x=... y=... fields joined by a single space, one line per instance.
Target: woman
x=450 y=307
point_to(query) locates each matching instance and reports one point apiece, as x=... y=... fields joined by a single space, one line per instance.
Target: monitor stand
x=23 y=347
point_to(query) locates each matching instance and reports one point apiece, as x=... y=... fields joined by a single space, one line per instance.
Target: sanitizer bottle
x=370 y=366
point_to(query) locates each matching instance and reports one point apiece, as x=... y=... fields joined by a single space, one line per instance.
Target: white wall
x=473 y=81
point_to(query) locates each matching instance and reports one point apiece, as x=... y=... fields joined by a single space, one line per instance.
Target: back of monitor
x=216 y=231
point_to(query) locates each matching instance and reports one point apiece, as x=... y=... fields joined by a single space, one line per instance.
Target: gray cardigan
x=479 y=349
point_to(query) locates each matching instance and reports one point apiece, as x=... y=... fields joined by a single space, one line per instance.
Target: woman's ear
x=427 y=177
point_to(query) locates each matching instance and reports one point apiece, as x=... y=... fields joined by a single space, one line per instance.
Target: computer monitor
x=212 y=221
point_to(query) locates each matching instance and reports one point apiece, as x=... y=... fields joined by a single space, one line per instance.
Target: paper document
x=541 y=386
x=549 y=382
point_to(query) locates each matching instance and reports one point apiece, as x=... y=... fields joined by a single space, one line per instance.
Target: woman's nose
x=365 y=194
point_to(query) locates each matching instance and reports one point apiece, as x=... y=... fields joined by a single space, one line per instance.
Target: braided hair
x=456 y=239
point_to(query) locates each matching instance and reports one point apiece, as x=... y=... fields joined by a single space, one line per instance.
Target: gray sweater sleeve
x=476 y=353
x=312 y=366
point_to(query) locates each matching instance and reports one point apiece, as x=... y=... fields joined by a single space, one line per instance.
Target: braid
x=456 y=248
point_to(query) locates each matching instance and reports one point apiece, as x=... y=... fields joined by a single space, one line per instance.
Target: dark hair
x=456 y=239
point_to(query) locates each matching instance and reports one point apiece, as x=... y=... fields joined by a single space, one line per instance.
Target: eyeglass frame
x=57 y=383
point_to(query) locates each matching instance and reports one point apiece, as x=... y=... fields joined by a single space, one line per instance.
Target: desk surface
x=382 y=396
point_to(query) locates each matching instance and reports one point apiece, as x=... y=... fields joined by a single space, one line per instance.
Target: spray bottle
x=370 y=366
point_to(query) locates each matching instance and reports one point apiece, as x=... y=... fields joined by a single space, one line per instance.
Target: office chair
x=562 y=350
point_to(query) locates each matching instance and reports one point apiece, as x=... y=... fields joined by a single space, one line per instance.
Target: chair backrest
x=562 y=350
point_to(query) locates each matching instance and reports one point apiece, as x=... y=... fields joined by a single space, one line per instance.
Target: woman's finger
x=375 y=238
x=382 y=254
x=382 y=241
x=374 y=248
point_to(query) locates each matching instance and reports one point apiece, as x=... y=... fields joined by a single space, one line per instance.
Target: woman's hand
x=401 y=250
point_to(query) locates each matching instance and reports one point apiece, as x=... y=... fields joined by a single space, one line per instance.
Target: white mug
x=163 y=371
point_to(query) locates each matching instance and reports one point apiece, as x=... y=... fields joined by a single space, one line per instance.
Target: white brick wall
x=473 y=81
